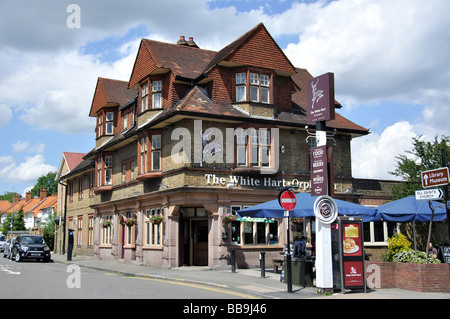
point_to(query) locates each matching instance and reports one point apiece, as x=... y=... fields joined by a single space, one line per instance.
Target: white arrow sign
x=429 y=194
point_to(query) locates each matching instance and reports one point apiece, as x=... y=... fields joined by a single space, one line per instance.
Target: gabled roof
x=49 y=201
x=156 y=57
x=109 y=92
x=256 y=48
x=4 y=205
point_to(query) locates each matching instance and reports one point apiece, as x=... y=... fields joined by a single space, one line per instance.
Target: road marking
x=5 y=269
x=219 y=288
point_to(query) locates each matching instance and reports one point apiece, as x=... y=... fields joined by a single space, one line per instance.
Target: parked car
x=7 y=248
x=2 y=242
x=30 y=247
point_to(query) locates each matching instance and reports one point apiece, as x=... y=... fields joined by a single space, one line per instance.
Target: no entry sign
x=287 y=200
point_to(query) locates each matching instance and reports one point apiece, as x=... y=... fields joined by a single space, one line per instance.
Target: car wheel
x=17 y=257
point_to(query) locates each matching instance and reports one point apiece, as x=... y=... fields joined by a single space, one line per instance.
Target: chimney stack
x=182 y=40
x=28 y=197
x=43 y=194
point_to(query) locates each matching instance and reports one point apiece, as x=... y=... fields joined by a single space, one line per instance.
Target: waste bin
x=302 y=272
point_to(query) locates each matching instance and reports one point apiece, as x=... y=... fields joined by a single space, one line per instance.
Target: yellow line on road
x=219 y=288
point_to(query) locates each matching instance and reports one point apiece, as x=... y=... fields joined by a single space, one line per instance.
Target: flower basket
x=228 y=218
x=297 y=220
x=156 y=219
x=130 y=221
x=106 y=224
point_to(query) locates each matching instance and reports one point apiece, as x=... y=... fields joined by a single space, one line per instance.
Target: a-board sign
x=352 y=253
x=444 y=253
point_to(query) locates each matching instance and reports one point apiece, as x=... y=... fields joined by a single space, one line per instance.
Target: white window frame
x=109 y=123
x=157 y=94
x=144 y=97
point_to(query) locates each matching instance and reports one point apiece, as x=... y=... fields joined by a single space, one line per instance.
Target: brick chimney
x=28 y=197
x=191 y=42
x=182 y=40
x=16 y=198
x=43 y=194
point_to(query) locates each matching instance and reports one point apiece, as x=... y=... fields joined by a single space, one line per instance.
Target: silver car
x=2 y=243
x=7 y=248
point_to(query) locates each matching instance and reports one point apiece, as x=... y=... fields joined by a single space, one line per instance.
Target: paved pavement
x=243 y=280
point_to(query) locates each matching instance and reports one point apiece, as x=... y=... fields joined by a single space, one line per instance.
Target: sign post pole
x=320 y=92
x=288 y=201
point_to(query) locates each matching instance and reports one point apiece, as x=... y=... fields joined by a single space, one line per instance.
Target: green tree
x=49 y=232
x=45 y=181
x=18 y=222
x=424 y=156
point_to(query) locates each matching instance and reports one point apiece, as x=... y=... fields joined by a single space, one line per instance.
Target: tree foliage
x=423 y=157
x=45 y=181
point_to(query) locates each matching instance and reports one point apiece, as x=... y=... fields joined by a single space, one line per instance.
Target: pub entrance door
x=194 y=237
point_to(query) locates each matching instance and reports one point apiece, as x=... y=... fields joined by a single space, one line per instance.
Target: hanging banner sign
x=319 y=174
x=320 y=96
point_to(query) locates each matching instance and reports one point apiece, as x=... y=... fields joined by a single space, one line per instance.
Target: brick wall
x=417 y=277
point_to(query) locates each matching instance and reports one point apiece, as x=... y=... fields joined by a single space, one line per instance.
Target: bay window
x=156 y=152
x=258 y=87
x=144 y=97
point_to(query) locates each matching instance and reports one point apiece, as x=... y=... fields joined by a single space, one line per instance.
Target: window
x=240 y=87
x=99 y=171
x=108 y=170
x=91 y=184
x=100 y=125
x=259 y=87
x=377 y=233
x=260 y=232
x=80 y=187
x=256 y=143
x=156 y=94
x=70 y=190
x=79 y=231
x=156 y=152
x=106 y=230
x=153 y=231
x=125 y=121
x=143 y=153
x=241 y=141
x=144 y=97
x=109 y=122
x=90 y=230
x=124 y=173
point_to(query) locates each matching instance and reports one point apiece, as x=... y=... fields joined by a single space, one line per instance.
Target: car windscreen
x=31 y=240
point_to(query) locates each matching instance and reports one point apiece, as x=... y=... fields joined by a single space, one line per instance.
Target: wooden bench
x=276 y=263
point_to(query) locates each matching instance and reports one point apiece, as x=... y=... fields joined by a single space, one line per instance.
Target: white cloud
x=373 y=156
x=28 y=171
x=6 y=114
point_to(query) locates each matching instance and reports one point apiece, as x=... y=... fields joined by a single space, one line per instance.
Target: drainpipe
x=65 y=210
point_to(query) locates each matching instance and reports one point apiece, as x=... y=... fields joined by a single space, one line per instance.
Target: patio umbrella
x=409 y=209
x=304 y=208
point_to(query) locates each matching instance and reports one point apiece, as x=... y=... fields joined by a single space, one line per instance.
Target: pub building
x=192 y=137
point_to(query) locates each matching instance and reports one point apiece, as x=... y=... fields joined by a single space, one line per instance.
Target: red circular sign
x=287 y=200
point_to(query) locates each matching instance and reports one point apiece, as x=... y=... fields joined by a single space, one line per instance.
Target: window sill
x=248 y=170
x=148 y=175
x=104 y=188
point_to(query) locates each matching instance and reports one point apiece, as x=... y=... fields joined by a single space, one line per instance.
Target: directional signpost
x=429 y=194
x=435 y=177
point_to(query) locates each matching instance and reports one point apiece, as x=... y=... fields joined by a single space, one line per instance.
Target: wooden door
x=200 y=234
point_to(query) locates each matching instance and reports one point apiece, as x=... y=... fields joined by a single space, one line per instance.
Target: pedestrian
x=432 y=250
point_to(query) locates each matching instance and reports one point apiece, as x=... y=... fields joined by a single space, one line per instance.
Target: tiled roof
x=73 y=159
x=113 y=92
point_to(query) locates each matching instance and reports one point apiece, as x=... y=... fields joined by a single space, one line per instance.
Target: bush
x=396 y=244
x=415 y=257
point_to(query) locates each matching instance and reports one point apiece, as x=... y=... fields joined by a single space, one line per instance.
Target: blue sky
x=390 y=60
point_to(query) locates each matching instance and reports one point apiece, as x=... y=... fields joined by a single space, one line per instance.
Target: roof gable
x=156 y=57
x=109 y=92
x=255 y=48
